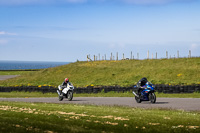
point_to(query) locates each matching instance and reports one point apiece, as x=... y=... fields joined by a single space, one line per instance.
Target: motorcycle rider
x=141 y=84
x=64 y=84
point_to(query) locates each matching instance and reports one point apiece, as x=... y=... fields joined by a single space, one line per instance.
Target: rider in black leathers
x=64 y=84
x=141 y=84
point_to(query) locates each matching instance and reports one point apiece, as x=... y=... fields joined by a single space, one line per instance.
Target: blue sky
x=67 y=30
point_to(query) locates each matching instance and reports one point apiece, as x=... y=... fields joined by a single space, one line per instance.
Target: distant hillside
x=123 y=73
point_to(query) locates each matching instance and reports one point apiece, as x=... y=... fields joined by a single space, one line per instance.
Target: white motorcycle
x=66 y=92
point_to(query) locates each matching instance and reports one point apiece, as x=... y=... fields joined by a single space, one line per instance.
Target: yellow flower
x=179 y=75
x=39 y=86
x=29 y=84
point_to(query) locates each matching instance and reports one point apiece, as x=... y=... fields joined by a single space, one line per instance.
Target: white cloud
x=2 y=33
x=37 y=2
x=6 y=33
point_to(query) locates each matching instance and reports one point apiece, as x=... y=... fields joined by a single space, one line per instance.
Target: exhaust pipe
x=58 y=92
x=135 y=94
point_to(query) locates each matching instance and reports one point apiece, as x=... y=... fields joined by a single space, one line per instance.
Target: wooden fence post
x=177 y=54
x=166 y=54
x=87 y=58
x=190 y=54
x=98 y=57
x=156 y=55
x=131 y=55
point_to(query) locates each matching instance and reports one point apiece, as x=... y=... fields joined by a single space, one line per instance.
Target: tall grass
x=123 y=73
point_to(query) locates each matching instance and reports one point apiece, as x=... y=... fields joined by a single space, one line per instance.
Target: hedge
x=96 y=89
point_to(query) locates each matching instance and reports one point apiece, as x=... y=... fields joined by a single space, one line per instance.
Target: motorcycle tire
x=138 y=100
x=69 y=95
x=152 y=97
x=60 y=98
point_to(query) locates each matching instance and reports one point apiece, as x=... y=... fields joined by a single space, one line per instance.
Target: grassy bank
x=123 y=73
x=109 y=94
x=37 y=117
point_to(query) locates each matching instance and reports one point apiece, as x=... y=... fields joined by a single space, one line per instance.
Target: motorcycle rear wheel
x=152 y=97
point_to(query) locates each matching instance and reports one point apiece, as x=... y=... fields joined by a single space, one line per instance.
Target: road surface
x=4 y=77
x=187 y=104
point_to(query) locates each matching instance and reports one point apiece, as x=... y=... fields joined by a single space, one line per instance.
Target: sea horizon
x=18 y=65
x=29 y=61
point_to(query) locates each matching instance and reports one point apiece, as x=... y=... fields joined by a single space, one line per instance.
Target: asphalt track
x=4 y=77
x=187 y=104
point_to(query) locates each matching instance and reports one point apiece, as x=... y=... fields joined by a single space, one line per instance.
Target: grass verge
x=111 y=73
x=41 y=117
x=109 y=94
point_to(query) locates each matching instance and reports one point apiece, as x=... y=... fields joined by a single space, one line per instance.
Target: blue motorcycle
x=147 y=94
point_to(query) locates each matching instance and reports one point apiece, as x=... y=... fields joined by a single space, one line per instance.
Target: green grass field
x=123 y=73
x=17 y=117
x=48 y=118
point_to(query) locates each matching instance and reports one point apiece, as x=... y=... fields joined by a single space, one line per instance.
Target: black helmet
x=144 y=79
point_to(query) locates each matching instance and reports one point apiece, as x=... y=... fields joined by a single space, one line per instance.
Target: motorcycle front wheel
x=137 y=99
x=69 y=95
x=60 y=97
x=152 y=97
